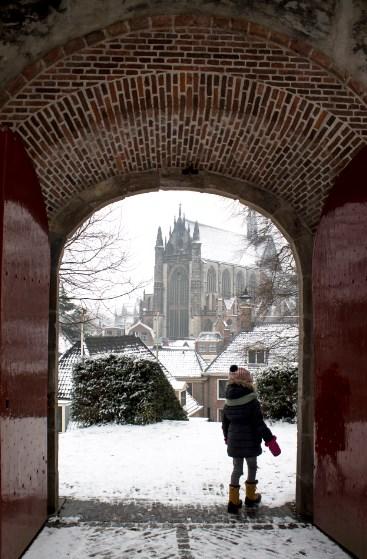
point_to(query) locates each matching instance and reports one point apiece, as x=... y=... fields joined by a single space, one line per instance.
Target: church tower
x=176 y=264
x=252 y=233
x=196 y=282
x=158 y=274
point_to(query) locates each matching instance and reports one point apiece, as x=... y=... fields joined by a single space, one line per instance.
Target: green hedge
x=120 y=390
x=277 y=388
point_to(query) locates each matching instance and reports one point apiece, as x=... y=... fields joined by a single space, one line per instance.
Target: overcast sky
x=141 y=215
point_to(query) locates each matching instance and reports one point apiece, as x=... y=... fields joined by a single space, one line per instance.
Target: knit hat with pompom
x=239 y=374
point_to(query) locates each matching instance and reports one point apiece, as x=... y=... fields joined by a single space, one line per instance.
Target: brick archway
x=145 y=97
x=227 y=94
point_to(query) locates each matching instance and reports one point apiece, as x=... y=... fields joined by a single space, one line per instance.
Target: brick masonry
x=150 y=93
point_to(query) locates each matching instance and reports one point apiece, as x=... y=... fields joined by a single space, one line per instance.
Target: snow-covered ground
x=171 y=462
x=176 y=463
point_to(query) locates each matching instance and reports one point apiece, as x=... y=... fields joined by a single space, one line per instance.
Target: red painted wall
x=340 y=314
x=24 y=284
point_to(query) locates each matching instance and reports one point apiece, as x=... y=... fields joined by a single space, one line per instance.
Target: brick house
x=265 y=345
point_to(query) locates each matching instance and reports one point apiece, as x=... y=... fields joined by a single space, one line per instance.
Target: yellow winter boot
x=234 y=501
x=252 y=498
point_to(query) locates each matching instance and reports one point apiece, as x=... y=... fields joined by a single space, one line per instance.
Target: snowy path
x=170 y=467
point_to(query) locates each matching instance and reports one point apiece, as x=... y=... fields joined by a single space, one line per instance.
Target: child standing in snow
x=243 y=429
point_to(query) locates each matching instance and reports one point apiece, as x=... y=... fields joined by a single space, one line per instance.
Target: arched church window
x=178 y=304
x=252 y=284
x=226 y=284
x=240 y=283
x=212 y=281
x=208 y=325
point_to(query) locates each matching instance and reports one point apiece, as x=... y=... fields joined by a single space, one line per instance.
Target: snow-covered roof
x=225 y=246
x=209 y=336
x=281 y=340
x=181 y=362
x=64 y=343
x=182 y=344
x=228 y=303
x=99 y=346
x=145 y=326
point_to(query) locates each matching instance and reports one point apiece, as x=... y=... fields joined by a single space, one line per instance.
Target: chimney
x=245 y=317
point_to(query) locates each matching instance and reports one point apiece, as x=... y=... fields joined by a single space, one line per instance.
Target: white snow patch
x=178 y=462
x=212 y=542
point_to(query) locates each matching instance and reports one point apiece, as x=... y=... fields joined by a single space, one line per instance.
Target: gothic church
x=200 y=273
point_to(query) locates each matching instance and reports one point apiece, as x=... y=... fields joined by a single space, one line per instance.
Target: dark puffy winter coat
x=243 y=424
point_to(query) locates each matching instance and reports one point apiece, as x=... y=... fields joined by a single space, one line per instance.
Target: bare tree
x=94 y=270
x=277 y=288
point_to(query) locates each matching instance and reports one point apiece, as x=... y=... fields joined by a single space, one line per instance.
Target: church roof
x=225 y=246
x=280 y=339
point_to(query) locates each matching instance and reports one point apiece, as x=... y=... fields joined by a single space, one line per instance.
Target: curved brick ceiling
x=239 y=102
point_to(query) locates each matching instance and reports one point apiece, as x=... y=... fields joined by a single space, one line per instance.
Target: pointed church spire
x=196 y=236
x=159 y=242
x=179 y=210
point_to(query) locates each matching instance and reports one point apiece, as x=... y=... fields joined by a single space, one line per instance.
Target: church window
x=226 y=284
x=252 y=285
x=212 y=281
x=208 y=325
x=178 y=304
x=240 y=283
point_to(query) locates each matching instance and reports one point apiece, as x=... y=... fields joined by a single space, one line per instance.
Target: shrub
x=277 y=388
x=121 y=390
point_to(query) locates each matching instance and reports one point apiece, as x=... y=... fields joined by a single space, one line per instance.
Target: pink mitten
x=273 y=446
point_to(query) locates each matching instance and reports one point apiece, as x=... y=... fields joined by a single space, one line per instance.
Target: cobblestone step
x=155 y=513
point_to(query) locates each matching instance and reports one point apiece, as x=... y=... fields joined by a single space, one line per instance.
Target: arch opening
x=178 y=248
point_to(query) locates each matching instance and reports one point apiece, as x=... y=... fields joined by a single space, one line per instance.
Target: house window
x=221 y=390
x=189 y=387
x=256 y=356
x=183 y=398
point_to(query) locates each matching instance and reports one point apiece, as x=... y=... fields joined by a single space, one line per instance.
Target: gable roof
x=181 y=362
x=145 y=326
x=280 y=339
x=99 y=346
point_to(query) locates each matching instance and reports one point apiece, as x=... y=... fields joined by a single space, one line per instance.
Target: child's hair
x=242 y=383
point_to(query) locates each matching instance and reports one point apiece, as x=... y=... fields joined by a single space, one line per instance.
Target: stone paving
x=152 y=529
x=155 y=513
x=142 y=529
